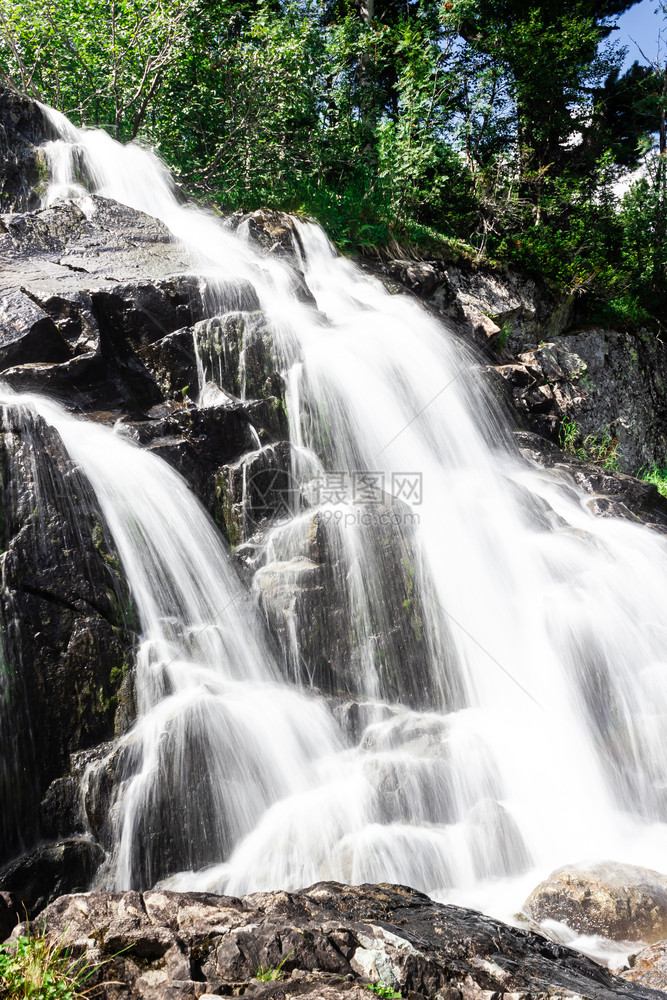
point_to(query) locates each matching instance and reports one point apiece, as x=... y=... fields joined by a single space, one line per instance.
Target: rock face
x=67 y=617
x=602 y=391
x=622 y=902
x=22 y=129
x=83 y=296
x=328 y=941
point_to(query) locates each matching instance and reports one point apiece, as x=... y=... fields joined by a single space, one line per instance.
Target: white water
x=545 y=627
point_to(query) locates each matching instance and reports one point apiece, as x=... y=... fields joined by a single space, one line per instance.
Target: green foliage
x=382 y=990
x=597 y=449
x=33 y=968
x=102 y=62
x=505 y=334
x=657 y=476
x=429 y=129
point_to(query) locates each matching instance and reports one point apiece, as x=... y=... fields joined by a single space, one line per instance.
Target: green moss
x=226 y=513
x=410 y=603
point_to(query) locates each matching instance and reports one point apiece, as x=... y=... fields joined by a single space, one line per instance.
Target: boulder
x=38 y=878
x=173 y=362
x=618 y=901
x=649 y=967
x=329 y=941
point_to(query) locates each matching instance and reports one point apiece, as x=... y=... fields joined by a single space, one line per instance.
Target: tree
x=101 y=62
x=550 y=52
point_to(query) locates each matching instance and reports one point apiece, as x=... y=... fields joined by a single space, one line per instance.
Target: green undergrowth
x=656 y=476
x=34 y=968
x=597 y=449
x=384 y=991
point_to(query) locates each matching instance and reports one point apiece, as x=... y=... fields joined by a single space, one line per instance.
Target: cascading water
x=514 y=721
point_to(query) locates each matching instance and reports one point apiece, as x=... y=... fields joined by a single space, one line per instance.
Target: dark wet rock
x=618 y=901
x=68 y=622
x=324 y=942
x=173 y=362
x=22 y=129
x=238 y=354
x=27 y=333
x=258 y=489
x=60 y=811
x=305 y=594
x=649 y=967
x=81 y=380
x=612 y=494
x=38 y=878
x=83 y=295
x=10 y=914
x=198 y=441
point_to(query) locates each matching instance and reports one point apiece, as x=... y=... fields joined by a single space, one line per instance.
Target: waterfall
x=503 y=648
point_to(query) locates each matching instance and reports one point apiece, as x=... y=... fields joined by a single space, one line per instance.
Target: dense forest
x=495 y=130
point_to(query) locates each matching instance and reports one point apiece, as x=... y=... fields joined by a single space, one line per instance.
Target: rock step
x=328 y=941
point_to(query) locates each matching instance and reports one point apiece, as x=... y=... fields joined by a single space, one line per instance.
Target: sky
x=642 y=24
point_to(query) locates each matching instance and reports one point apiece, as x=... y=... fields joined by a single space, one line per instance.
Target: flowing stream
x=518 y=727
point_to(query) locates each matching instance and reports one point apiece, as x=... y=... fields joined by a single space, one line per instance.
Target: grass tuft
x=656 y=476
x=33 y=968
x=384 y=991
